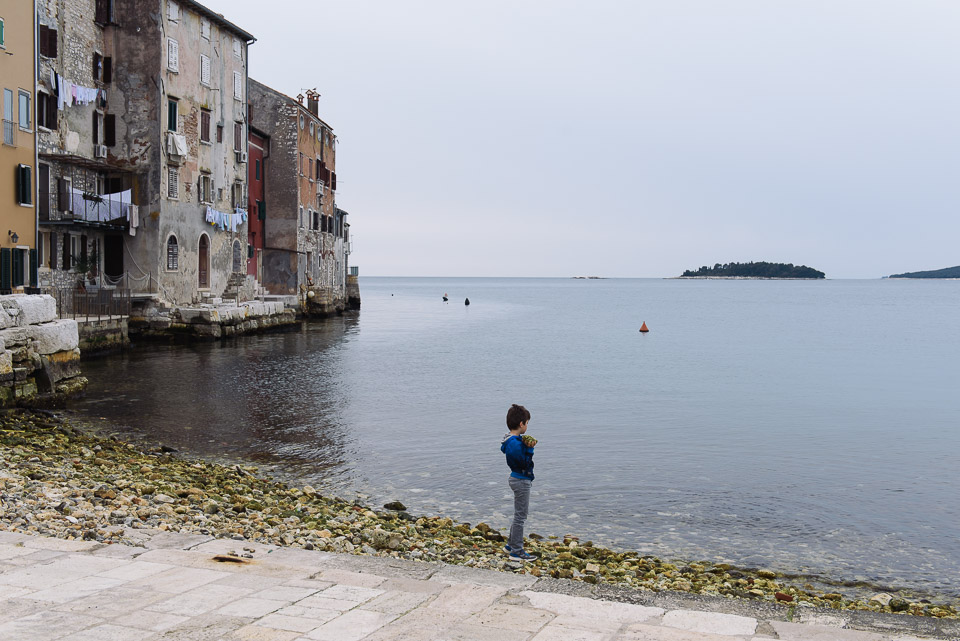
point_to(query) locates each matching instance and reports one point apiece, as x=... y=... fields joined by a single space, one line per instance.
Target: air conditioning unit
x=99 y=151
x=241 y=156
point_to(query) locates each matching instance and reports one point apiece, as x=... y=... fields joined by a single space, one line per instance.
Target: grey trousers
x=521 y=504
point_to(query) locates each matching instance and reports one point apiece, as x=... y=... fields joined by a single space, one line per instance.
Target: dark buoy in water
x=466 y=301
x=643 y=328
x=444 y=296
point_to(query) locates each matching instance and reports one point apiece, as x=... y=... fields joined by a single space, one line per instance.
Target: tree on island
x=946 y=272
x=760 y=269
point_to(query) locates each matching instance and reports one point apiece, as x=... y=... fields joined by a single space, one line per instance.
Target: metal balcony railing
x=10 y=133
x=92 y=304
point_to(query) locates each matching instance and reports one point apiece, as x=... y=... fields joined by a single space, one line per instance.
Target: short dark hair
x=515 y=415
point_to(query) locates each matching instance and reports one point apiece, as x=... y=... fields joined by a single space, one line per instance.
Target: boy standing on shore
x=520 y=460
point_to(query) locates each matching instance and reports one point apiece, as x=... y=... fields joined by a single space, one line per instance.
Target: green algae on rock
x=57 y=480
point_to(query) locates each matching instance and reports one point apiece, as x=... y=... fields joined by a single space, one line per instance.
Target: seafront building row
x=139 y=156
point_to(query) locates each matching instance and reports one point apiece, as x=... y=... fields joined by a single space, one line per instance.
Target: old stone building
x=183 y=72
x=86 y=191
x=143 y=146
x=305 y=252
x=18 y=149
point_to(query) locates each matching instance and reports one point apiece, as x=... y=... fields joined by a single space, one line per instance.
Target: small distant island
x=755 y=270
x=946 y=272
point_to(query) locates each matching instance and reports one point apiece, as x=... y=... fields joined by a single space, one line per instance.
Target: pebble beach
x=60 y=479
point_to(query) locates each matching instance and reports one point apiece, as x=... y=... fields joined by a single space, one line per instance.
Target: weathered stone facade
x=211 y=321
x=305 y=251
x=185 y=74
x=39 y=355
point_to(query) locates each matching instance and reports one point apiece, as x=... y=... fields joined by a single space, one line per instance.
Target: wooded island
x=754 y=270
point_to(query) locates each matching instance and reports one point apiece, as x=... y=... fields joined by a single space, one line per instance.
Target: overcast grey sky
x=616 y=138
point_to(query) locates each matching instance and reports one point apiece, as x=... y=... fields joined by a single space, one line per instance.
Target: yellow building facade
x=18 y=146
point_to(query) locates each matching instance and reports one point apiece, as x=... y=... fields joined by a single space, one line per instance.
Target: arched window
x=203 y=268
x=173 y=254
x=237 y=256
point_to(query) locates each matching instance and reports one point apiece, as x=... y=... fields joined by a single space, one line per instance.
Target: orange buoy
x=643 y=328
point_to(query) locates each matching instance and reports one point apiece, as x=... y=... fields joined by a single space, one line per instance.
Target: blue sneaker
x=520 y=555
x=507 y=548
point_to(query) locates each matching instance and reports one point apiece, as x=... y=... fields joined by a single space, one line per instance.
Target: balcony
x=10 y=133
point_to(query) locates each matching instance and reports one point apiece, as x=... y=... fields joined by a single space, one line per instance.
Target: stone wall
x=209 y=322
x=104 y=335
x=39 y=354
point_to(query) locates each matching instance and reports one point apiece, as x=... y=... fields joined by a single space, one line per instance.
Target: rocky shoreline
x=59 y=480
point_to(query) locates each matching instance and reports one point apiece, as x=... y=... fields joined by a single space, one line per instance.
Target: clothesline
x=224 y=221
x=69 y=93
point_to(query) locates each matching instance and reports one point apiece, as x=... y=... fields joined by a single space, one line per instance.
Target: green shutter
x=5 y=268
x=34 y=269
x=1 y=31
x=17 y=268
x=249 y=251
x=261 y=210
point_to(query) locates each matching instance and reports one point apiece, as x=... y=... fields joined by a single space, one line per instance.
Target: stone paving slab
x=171 y=589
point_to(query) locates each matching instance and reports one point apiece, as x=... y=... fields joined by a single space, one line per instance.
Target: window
x=301 y=215
x=204 y=70
x=172 y=110
x=104 y=12
x=238 y=136
x=48 y=41
x=173 y=10
x=46 y=110
x=237 y=256
x=43 y=186
x=24 y=185
x=173 y=55
x=1 y=33
x=97 y=66
x=311 y=128
x=205 y=188
x=204 y=28
x=301 y=122
x=237 y=86
x=205 y=125
x=110 y=130
x=256 y=171
x=102 y=68
x=310 y=173
x=97 y=124
x=173 y=254
x=236 y=195
x=237 y=48
x=9 y=128
x=316 y=220
x=300 y=166
x=173 y=183
x=24 y=110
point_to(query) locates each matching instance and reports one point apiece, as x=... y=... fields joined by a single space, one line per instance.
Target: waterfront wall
x=98 y=336
x=209 y=322
x=39 y=353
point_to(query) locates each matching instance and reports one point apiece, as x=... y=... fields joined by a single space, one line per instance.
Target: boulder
x=14 y=337
x=58 y=336
x=57 y=367
x=26 y=310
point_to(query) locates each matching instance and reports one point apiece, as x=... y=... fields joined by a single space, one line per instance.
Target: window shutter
x=63 y=194
x=24 y=183
x=238 y=136
x=96 y=128
x=67 y=263
x=17 y=270
x=108 y=70
x=53 y=251
x=204 y=69
x=261 y=210
x=173 y=183
x=6 y=265
x=333 y=180
x=237 y=85
x=205 y=126
x=52 y=113
x=43 y=185
x=110 y=130
x=173 y=10
x=53 y=42
x=34 y=269
x=173 y=55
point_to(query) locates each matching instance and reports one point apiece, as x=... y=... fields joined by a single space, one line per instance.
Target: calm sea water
x=806 y=426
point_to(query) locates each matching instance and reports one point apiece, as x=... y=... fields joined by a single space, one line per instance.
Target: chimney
x=313 y=102
x=300 y=98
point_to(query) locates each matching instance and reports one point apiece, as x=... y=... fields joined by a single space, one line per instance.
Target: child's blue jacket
x=519 y=457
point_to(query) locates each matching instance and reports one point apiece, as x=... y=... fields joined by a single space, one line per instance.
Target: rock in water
x=395 y=505
x=466 y=301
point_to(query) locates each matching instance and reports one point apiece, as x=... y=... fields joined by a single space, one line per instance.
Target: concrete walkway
x=175 y=588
